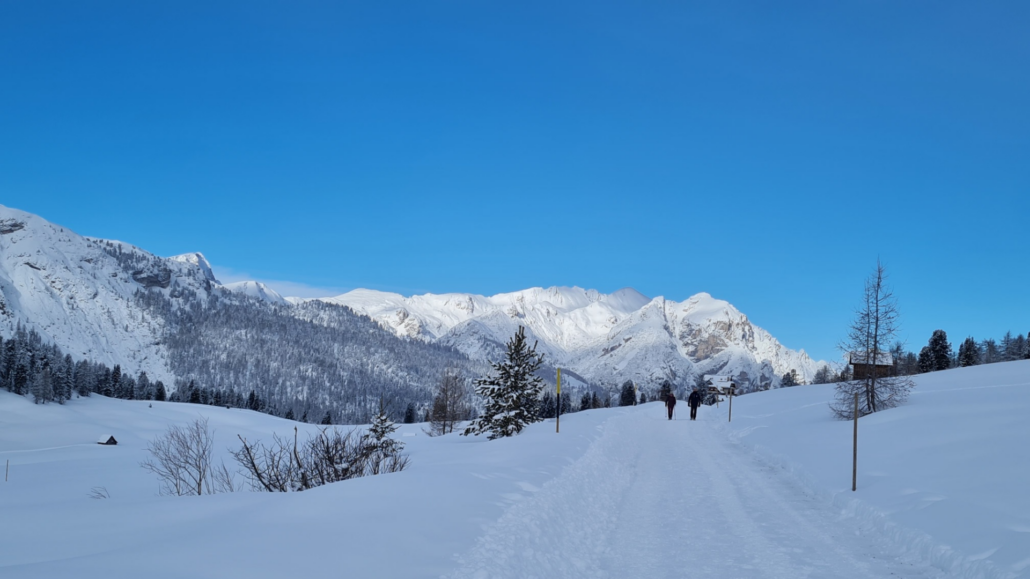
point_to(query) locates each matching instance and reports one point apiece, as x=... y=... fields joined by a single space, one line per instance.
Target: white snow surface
x=256 y=289
x=75 y=295
x=618 y=493
x=603 y=337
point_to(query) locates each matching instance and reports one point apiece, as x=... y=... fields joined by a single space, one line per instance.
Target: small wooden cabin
x=720 y=385
x=862 y=367
x=108 y=440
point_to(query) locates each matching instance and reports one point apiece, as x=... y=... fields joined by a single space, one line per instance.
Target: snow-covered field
x=948 y=474
x=619 y=493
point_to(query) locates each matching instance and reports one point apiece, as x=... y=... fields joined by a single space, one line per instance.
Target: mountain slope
x=116 y=304
x=605 y=338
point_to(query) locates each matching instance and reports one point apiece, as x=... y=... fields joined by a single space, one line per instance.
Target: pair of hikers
x=694 y=400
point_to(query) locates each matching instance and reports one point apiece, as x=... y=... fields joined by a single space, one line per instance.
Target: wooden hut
x=719 y=385
x=862 y=367
x=107 y=440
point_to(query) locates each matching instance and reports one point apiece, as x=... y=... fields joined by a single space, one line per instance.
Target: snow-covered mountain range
x=112 y=303
x=84 y=295
x=605 y=338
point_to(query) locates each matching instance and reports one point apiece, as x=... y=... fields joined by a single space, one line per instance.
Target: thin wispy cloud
x=285 y=288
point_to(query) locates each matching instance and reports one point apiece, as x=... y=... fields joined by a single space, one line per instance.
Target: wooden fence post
x=557 y=419
x=854 y=456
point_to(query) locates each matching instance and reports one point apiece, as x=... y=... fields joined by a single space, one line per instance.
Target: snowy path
x=654 y=498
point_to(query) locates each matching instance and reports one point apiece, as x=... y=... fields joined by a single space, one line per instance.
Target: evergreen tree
x=926 y=363
x=595 y=401
x=116 y=380
x=289 y=414
x=565 y=403
x=43 y=386
x=585 y=402
x=1019 y=347
x=627 y=397
x=253 y=404
x=21 y=379
x=382 y=449
x=789 y=379
x=548 y=408
x=160 y=394
x=940 y=351
x=409 y=413
x=968 y=353
x=1007 y=347
x=664 y=391
x=327 y=419
x=990 y=352
x=824 y=375
x=194 y=394
x=511 y=391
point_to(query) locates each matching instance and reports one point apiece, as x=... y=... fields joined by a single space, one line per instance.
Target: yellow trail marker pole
x=557 y=421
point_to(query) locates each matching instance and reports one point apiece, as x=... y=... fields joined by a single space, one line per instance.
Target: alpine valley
x=112 y=303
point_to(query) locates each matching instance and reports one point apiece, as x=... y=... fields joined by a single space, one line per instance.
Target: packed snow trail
x=657 y=498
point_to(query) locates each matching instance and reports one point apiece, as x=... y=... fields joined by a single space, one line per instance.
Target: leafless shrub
x=181 y=459
x=327 y=457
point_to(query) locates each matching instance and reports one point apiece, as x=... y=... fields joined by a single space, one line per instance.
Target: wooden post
x=557 y=420
x=731 y=405
x=854 y=457
x=7 y=470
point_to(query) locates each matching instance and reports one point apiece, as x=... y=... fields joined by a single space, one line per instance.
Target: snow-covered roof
x=881 y=358
x=718 y=380
x=103 y=439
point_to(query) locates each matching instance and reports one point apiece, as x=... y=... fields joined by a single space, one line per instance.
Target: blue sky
x=767 y=153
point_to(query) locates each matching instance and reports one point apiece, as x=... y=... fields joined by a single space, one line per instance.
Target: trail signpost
x=721 y=386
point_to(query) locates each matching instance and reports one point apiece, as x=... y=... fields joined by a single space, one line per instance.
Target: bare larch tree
x=873 y=330
x=450 y=405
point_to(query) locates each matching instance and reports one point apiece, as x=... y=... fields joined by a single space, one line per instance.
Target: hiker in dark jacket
x=670 y=403
x=694 y=400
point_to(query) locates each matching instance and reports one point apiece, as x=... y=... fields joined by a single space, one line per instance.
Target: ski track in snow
x=690 y=504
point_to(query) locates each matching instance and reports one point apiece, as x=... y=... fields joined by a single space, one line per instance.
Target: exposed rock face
x=8 y=226
x=159 y=277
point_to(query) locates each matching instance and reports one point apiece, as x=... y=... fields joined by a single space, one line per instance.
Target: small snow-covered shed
x=864 y=364
x=719 y=384
x=107 y=439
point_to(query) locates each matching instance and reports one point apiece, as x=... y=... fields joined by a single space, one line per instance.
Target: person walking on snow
x=670 y=403
x=694 y=400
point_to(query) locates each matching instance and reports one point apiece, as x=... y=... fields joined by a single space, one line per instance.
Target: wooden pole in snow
x=854 y=457
x=557 y=420
x=731 y=404
x=7 y=470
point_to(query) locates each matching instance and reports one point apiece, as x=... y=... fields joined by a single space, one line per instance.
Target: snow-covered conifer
x=511 y=391
x=968 y=353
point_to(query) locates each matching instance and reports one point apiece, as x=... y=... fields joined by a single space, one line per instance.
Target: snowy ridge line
x=562 y=530
x=924 y=546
